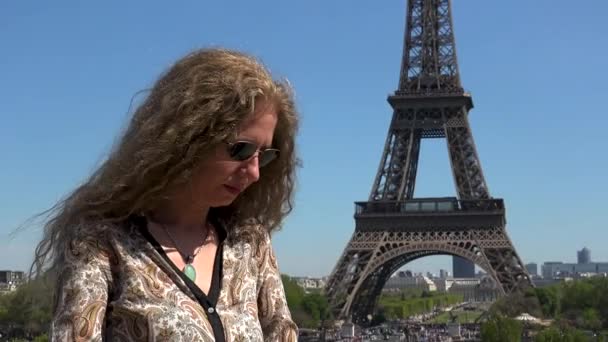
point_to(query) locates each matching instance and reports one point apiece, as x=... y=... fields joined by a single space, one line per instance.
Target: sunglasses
x=245 y=150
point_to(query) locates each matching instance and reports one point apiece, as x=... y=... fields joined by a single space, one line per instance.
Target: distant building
x=463 y=268
x=420 y=282
x=583 y=256
x=471 y=289
x=10 y=280
x=443 y=274
x=532 y=269
x=487 y=290
x=406 y=273
x=558 y=269
x=550 y=268
x=4 y=287
x=12 y=277
x=310 y=283
x=538 y=282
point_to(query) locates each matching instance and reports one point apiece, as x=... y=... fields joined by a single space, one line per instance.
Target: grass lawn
x=462 y=317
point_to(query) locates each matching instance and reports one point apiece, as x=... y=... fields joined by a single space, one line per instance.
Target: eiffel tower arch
x=393 y=228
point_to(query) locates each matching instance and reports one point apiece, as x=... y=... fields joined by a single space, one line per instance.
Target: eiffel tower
x=394 y=228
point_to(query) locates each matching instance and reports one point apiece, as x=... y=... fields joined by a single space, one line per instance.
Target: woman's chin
x=224 y=201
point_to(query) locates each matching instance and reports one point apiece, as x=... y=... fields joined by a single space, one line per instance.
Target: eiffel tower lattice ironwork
x=394 y=228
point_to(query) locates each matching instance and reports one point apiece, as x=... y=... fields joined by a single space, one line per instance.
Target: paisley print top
x=122 y=287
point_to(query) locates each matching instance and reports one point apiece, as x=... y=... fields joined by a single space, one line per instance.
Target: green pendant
x=190 y=272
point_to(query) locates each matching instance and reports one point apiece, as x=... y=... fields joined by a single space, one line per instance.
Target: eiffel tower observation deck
x=445 y=212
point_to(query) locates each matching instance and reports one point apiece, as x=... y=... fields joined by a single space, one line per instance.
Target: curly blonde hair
x=199 y=102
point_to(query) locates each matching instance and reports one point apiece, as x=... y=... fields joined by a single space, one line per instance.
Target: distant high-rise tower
x=584 y=256
x=463 y=268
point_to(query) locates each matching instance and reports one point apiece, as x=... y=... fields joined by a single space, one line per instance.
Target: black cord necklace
x=188 y=269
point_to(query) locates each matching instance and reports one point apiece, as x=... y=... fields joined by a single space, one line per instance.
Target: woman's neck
x=181 y=216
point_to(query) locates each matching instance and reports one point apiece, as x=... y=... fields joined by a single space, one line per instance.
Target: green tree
x=307 y=310
x=591 y=319
x=582 y=303
x=549 y=299
x=293 y=292
x=549 y=335
x=42 y=338
x=578 y=295
x=316 y=305
x=27 y=311
x=4 y=303
x=501 y=329
x=517 y=303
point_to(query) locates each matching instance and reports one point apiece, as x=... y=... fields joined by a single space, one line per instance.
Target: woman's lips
x=232 y=189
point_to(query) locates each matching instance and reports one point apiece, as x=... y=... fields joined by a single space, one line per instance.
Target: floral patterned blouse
x=123 y=287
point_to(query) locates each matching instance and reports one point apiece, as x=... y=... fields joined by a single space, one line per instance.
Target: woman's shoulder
x=97 y=230
x=97 y=245
x=253 y=234
x=260 y=241
x=95 y=237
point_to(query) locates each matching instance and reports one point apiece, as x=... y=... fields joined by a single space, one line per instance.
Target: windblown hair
x=198 y=103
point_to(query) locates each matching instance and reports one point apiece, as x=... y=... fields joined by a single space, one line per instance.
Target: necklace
x=188 y=269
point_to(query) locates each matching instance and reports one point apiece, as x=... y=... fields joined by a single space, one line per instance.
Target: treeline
x=500 y=328
x=26 y=312
x=308 y=310
x=404 y=304
x=578 y=310
x=581 y=303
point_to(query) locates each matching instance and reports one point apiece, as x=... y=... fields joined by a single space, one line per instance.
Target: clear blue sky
x=536 y=69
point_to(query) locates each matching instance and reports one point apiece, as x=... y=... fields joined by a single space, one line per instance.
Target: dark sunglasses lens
x=242 y=150
x=267 y=156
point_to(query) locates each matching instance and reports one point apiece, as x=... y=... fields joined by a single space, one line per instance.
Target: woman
x=169 y=238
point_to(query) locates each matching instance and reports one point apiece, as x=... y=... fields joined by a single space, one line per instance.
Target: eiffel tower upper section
x=429 y=66
x=430 y=102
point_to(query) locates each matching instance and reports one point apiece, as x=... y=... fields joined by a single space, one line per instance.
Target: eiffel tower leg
x=506 y=266
x=396 y=175
x=466 y=167
x=341 y=283
x=408 y=182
